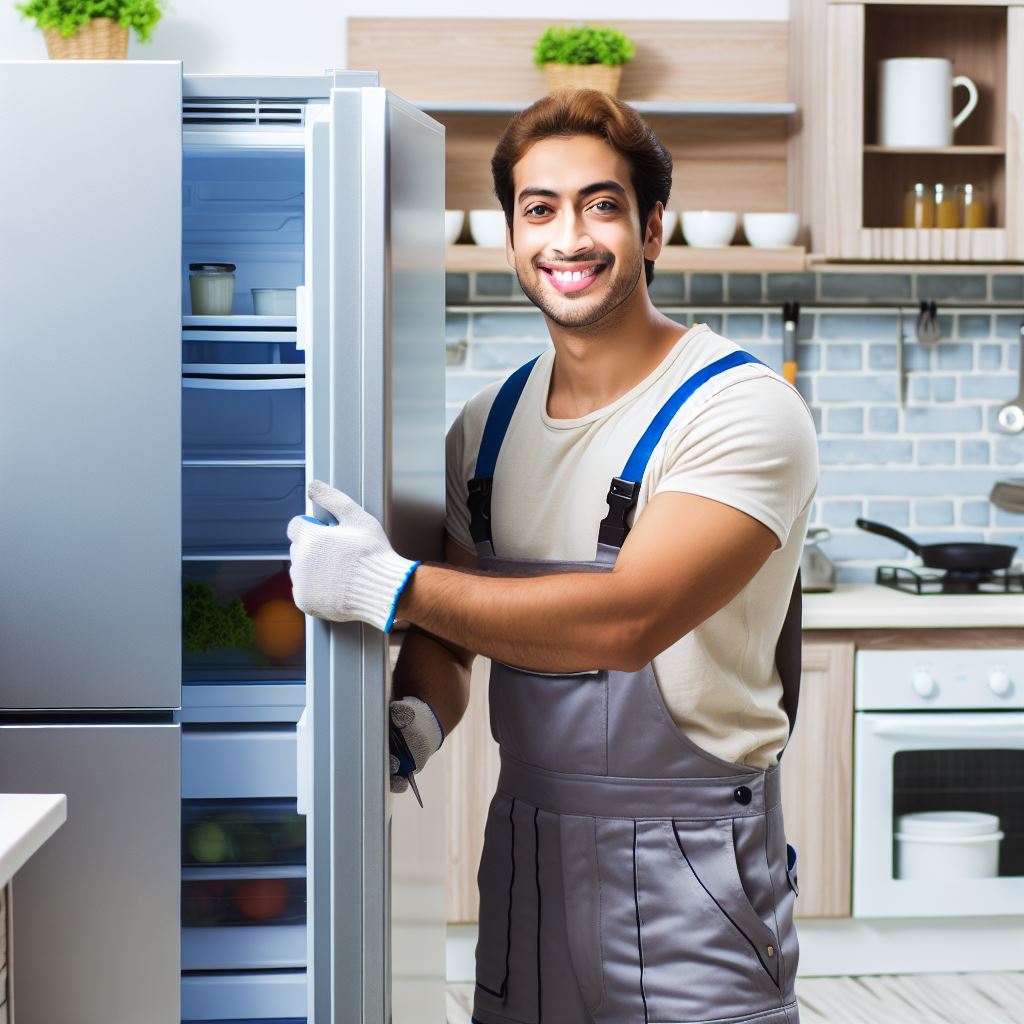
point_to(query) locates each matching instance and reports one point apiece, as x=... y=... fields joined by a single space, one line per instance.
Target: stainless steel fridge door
x=96 y=910
x=376 y=431
x=90 y=407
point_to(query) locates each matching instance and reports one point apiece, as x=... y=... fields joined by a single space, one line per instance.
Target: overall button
x=743 y=795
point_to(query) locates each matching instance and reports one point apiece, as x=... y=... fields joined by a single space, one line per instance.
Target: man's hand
x=349 y=571
x=421 y=730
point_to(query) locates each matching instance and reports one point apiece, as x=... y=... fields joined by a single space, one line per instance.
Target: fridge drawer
x=277 y=997
x=240 y=625
x=239 y=510
x=242 y=418
x=238 y=763
x=243 y=835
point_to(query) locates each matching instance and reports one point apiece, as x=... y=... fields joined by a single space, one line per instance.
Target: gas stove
x=935 y=581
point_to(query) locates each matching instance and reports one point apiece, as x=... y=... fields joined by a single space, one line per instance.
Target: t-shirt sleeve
x=456 y=516
x=752 y=446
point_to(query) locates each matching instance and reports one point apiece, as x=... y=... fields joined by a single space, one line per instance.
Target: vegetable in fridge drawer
x=238 y=510
x=242 y=418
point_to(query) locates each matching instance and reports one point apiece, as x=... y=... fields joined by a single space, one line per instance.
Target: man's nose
x=572 y=237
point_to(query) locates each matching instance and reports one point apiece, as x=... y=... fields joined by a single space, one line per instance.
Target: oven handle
x=999 y=726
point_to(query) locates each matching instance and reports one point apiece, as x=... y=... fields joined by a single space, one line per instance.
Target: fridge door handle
x=302 y=767
x=303 y=298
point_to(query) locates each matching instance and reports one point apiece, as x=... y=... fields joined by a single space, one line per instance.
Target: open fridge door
x=375 y=426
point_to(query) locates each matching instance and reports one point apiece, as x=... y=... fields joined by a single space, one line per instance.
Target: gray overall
x=627 y=877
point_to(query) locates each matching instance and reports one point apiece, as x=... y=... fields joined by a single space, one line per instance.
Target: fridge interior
x=243 y=894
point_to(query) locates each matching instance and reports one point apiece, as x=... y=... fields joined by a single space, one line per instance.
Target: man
x=644 y=636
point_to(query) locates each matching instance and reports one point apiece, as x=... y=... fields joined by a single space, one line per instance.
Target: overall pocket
x=706 y=952
x=506 y=950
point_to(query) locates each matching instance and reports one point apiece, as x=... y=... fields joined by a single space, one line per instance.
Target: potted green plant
x=583 y=57
x=92 y=29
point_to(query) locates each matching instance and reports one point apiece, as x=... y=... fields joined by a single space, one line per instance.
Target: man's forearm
x=566 y=622
x=429 y=670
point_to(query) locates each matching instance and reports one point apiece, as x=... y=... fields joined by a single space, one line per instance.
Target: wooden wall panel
x=492 y=59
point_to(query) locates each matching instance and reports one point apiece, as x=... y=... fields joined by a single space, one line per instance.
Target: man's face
x=576 y=246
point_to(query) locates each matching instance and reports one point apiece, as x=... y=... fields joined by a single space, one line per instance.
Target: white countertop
x=869 y=606
x=27 y=820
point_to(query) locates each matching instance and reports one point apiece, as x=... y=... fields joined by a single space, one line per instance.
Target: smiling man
x=625 y=520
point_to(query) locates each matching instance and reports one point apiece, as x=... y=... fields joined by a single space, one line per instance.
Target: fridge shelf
x=227 y=371
x=243 y=463
x=243 y=947
x=238 y=322
x=269 y=997
x=213 y=872
x=223 y=555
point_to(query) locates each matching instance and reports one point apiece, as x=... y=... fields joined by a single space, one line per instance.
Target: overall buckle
x=622 y=499
x=479 y=502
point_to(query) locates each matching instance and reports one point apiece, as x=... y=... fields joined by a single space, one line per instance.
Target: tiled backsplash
x=926 y=465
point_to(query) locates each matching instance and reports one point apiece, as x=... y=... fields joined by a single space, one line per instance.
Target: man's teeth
x=574 y=275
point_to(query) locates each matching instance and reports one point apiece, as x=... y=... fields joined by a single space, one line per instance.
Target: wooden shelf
x=674 y=258
x=650 y=108
x=938 y=150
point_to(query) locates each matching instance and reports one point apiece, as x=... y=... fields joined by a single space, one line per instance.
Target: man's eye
x=605 y=206
x=537 y=210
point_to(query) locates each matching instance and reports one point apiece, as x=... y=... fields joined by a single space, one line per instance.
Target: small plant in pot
x=583 y=57
x=92 y=29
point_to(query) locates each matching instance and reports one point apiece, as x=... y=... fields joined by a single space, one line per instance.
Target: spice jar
x=947 y=215
x=971 y=206
x=919 y=207
x=212 y=286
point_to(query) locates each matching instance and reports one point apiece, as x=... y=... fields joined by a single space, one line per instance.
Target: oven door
x=948 y=761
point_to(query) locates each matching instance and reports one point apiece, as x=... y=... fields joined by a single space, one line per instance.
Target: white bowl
x=669 y=220
x=771 y=230
x=708 y=228
x=273 y=301
x=487 y=228
x=453 y=221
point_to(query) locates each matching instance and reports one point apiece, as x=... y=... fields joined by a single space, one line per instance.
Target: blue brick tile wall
x=924 y=464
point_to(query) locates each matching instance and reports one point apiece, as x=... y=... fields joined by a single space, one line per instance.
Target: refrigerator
x=226 y=855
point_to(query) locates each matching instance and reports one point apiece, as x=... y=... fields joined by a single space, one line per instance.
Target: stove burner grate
x=924 y=581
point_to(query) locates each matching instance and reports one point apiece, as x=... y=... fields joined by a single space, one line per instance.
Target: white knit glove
x=349 y=571
x=423 y=735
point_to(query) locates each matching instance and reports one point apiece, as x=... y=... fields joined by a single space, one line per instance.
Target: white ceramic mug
x=915 y=101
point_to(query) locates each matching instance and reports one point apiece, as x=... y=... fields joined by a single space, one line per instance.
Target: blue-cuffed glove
x=349 y=571
x=421 y=729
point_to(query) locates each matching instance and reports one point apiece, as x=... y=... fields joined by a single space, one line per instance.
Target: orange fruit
x=280 y=628
x=261 y=898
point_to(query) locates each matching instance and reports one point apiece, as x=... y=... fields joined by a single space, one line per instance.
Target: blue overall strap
x=625 y=489
x=498 y=419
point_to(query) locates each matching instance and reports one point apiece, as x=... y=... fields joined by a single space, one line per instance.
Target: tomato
x=261 y=898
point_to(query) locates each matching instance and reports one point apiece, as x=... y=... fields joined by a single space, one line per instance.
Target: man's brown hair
x=587 y=112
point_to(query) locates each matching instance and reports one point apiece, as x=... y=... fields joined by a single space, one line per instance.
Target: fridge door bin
x=255 y=356
x=246 y=834
x=271 y=997
x=262 y=641
x=239 y=510
x=261 y=898
x=225 y=419
x=237 y=762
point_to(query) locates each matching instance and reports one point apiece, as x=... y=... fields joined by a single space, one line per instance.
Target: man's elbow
x=634 y=644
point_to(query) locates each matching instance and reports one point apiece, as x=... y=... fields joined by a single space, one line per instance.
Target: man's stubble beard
x=603 y=314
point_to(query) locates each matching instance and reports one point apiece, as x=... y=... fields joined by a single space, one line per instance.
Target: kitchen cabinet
x=817 y=794
x=850 y=188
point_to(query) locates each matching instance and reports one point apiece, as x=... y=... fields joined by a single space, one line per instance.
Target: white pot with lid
x=945 y=845
x=212 y=288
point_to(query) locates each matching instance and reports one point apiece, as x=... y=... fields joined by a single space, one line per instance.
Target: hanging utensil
x=1009 y=495
x=928 y=332
x=1011 y=415
x=963 y=556
x=790 y=320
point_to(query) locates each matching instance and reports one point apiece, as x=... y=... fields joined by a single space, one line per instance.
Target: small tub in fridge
x=239 y=510
x=243 y=418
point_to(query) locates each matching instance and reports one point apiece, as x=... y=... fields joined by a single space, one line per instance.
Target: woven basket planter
x=603 y=77
x=100 y=39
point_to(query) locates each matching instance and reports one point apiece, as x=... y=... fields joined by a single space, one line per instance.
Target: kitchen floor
x=886 y=999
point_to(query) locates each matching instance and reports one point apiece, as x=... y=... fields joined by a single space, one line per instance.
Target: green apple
x=208 y=843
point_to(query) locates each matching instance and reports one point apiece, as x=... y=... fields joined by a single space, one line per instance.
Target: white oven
x=938 y=731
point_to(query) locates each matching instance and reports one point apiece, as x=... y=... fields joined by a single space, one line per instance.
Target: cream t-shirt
x=745 y=438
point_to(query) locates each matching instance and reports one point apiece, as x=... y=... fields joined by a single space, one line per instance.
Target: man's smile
x=571 y=277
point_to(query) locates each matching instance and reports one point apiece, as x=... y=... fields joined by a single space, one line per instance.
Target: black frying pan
x=964 y=557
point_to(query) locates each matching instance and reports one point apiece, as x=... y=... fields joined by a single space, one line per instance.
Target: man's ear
x=510 y=255
x=654 y=232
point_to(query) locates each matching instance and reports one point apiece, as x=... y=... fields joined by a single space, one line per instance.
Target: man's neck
x=594 y=367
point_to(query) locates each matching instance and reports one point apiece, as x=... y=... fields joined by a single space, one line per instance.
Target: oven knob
x=999 y=682
x=924 y=684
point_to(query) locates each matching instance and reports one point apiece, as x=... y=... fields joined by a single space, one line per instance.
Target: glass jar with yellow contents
x=947 y=213
x=973 y=210
x=919 y=206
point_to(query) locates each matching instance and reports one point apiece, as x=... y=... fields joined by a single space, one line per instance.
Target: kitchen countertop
x=27 y=820
x=869 y=606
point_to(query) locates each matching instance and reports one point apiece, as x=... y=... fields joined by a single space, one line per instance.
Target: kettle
x=817 y=573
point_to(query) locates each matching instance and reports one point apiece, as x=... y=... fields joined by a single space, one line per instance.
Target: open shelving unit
x=866 y=182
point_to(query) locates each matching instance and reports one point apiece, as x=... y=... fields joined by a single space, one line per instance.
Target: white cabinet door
x=90 y=406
